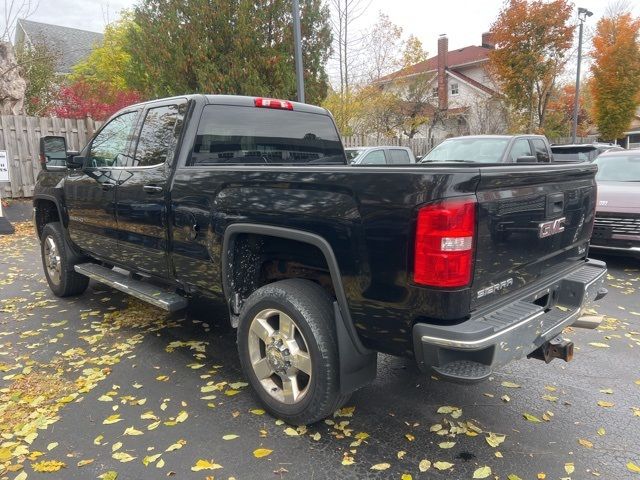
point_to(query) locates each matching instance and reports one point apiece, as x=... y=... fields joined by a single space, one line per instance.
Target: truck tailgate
x=532 y=221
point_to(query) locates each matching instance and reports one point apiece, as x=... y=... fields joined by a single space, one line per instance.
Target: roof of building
x=472 y=82
x=455 y=58
x=70 y=44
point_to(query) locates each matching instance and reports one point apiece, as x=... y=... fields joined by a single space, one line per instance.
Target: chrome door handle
x=108 y=185
x=152 y=188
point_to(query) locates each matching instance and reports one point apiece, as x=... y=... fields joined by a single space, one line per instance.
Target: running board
x=146 y=292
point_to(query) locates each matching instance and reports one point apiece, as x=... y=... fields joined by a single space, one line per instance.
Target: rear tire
x=289 y=351
x=62 y=279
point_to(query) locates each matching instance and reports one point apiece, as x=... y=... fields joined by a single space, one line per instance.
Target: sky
x=462 y=20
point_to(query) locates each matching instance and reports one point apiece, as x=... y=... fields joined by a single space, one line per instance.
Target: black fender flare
x=357 y=363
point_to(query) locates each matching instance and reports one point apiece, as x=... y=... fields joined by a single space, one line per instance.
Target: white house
x=464 y=98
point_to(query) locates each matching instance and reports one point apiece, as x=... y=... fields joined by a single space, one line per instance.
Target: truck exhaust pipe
x=557 y=347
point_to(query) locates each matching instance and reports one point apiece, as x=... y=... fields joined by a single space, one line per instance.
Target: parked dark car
x=250 y=202
x=380 y=155
x=585 y=152
x=492 y=149
x=617 y=225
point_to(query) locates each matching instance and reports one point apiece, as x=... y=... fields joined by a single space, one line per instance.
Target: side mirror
x=53 y=153
x=527 y=159
x=75 y=161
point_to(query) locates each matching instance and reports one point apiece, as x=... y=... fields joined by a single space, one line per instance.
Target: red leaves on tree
x=80 y=99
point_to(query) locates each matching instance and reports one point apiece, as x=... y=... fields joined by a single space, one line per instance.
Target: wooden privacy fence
x=419 y=146
x=20 y=138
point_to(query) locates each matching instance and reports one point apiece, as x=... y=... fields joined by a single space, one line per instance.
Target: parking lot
x=101 y=383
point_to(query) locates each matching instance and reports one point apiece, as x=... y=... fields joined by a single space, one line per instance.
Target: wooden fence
x=20 y=138
x=419 y=146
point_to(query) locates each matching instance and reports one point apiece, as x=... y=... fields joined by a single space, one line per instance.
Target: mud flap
x=356 y=369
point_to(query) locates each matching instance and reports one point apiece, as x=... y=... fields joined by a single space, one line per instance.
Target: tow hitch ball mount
x=557 y=347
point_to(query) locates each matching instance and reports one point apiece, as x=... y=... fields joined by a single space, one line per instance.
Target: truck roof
x=237 y=100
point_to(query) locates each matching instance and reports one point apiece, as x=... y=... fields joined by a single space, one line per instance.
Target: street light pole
x=298 y=50
x=583 y=13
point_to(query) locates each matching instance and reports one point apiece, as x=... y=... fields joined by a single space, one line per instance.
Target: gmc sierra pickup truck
x=251 y=203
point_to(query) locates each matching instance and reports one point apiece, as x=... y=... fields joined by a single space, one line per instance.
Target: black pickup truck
x=320 y=265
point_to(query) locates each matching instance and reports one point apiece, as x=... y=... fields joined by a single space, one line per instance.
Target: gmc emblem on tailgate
x=546 y=229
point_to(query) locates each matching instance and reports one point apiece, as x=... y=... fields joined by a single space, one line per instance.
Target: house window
x=454 y=89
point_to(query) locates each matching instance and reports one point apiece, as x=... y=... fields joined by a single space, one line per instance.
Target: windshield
x=485 y=150
x=352 y=153
x=618 y=168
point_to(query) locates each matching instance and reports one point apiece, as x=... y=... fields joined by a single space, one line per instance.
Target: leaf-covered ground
x=101 y=386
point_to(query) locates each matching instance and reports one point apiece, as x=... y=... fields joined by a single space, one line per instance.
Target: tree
x=383 y=47
x=560 y=113
x=239 y=47
x=38 y=65
x=532 y=39
x=416 y=106
x=109 y=62
x=615 y=86
x=99 y=101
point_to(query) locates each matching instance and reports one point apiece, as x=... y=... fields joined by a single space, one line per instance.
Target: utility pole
x=298 y=50
x=583 y=13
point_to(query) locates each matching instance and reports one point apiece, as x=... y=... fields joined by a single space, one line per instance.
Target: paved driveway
x=106 y=385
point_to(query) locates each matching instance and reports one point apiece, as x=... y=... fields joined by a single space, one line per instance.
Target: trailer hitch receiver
x=557 y=347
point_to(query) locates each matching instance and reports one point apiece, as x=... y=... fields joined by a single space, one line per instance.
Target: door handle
x=108 y=185
x=152 y=188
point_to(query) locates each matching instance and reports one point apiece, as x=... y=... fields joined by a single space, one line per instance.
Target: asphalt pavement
x=103 y=385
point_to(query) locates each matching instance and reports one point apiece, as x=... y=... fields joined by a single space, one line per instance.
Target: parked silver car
x=381 y=155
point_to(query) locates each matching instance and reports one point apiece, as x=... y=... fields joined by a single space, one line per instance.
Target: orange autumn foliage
x=532 y=39
x=616 y=73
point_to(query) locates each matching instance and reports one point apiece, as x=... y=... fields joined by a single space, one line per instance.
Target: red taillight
x=443 y=254
x=273 y=103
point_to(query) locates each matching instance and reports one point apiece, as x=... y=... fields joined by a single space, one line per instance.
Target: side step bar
x=144 y=291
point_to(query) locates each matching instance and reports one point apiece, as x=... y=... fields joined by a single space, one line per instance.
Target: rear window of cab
x=237 y=135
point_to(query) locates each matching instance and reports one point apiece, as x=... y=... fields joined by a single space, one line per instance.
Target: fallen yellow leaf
x=442 y=465
x=380 y=466
x=510 y=385
x=48 y=466
x=424 y=465
x=205 y=465
x=531 y=418
x=569 y=468
x=132 y=431
x=112 y=419
x=261 y=452
x=585 y=443
x=482 y=472
x=632 y=467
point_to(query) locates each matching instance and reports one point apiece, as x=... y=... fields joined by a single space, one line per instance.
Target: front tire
x=289 y=352
x=62 y=279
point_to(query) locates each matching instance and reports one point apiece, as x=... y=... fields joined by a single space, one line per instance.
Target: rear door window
x=399 y=157
x=159 y=135
x=235 y=135
x=542 y=154
x=521 y=148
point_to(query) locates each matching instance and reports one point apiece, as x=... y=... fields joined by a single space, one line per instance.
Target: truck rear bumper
x=471 y=350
